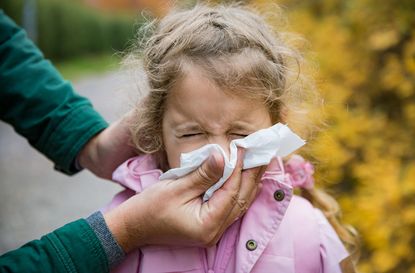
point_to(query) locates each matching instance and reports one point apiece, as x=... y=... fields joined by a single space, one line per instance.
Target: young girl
x=216 y=74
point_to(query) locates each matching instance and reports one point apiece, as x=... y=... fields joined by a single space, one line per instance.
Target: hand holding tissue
x=260 y=147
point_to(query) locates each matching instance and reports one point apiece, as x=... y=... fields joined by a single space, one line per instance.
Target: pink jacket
x=280 y=232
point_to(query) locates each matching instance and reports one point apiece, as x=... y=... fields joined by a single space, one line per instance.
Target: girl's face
x=198 y=113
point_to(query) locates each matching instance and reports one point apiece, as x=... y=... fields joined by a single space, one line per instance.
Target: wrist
x=86 y=156
x=88 y=153
x=113 y=250
x=77 y=165
x=127 y=229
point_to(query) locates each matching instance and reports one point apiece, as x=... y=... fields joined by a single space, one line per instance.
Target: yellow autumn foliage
x=365 y=51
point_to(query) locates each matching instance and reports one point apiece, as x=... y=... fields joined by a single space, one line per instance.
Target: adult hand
x=172 y=212
x=108 y=149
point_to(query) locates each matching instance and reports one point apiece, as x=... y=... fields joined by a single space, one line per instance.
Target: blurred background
x=365 y=51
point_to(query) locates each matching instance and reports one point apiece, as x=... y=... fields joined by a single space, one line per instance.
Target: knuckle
x=243 y=206
x=234 y=198
x=242 y=203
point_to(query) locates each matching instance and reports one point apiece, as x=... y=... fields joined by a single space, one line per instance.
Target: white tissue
x=260 y=148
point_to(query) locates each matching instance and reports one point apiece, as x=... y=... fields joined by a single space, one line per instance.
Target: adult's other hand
x=108 y=149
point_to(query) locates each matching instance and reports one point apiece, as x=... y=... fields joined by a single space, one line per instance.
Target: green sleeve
x=39 y=103
x=73 y=248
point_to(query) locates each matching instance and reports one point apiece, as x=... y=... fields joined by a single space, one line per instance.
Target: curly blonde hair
x=239 y=52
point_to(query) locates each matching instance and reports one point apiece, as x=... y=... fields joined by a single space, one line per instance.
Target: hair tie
x=300 y=171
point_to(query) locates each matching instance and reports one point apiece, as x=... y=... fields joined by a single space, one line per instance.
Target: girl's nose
x=223 y=142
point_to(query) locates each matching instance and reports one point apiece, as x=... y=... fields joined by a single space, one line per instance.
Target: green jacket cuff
x=85 y=254
x=73 y=248
x=64 y=143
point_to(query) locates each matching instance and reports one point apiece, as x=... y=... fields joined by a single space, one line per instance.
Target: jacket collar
x=259 y=224
x=264 y=217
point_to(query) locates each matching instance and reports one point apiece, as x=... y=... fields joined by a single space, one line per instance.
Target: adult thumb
x=208 y=173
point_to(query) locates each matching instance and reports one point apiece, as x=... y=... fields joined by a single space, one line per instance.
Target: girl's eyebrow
x=187 y=127
x=239 y=125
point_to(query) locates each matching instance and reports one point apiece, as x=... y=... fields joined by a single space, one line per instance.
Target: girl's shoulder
x=314 y=239
x=303 y=218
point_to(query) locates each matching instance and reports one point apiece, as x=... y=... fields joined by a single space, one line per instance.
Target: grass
x=81 y=67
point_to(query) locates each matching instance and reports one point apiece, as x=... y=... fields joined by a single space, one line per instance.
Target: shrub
x=69 y=29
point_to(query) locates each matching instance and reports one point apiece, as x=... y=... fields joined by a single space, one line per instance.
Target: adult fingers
x=225 y=199
x=232 y=186
x=247 y=192
x=250 y=186
x=104 y=152
x=194 y=184
x=253 y=192
x=274 y=165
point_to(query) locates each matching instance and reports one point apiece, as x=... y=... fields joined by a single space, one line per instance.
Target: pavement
x=34 y=198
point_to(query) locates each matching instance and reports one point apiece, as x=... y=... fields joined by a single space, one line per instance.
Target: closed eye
x=191 y=135
x=239 y=135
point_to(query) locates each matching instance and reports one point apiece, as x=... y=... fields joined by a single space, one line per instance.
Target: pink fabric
x=291 y=235
x=301 y=172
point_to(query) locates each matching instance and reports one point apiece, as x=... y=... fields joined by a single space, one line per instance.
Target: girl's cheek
x=191 y=144
x=174 y=151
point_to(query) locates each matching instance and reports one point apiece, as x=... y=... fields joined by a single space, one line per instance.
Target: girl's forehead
x=196 y=83
x=196 y=101
x=194 y=88
x=228 y=74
